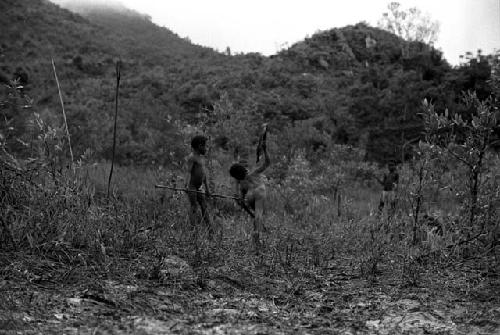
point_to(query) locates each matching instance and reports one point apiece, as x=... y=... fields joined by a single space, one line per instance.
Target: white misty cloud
x=86 y=5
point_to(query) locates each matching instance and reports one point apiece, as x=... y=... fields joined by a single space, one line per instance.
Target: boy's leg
x=258 y=222
x=392 y=202
x=259 y=214
x=204 y=211
x=192 y=209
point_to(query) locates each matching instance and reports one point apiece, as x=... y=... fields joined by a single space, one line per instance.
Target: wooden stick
x=114 y=126
x=64 y=114
x=195 y=191
x=238 y=200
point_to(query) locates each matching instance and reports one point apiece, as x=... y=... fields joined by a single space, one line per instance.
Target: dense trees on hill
x=355 y=85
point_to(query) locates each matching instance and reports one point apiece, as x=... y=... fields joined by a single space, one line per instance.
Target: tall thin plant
x=118 y=65
x=64 y=114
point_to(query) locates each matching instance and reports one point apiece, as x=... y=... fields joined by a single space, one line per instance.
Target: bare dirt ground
x=41 y=295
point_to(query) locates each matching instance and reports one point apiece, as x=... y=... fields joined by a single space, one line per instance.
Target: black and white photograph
x=249 y=167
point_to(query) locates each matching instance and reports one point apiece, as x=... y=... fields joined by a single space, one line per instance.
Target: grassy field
x=80 y=263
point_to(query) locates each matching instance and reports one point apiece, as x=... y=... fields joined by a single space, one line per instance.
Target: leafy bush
x=468 y=141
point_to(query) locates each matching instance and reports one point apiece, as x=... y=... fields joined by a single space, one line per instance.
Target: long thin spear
x=238 y=200
x=64 y=113
x=195 y=191
x=118 y=64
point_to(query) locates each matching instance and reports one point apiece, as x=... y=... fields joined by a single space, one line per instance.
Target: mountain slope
x=85 y=51
x=355 y=85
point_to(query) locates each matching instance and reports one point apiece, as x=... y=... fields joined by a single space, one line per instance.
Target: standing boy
x=195 y=178
x=389 y=184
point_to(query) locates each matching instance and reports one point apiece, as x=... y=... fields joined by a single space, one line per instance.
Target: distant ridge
x=88 y=6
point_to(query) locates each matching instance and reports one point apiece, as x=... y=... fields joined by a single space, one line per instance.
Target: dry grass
x=71 y=220
x=77 y=247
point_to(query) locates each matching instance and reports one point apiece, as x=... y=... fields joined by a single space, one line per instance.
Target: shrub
x=468 y=139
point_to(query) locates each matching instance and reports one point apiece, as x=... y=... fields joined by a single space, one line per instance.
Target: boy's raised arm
x=267 y=161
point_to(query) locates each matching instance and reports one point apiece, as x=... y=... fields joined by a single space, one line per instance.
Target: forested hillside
x=355 y=85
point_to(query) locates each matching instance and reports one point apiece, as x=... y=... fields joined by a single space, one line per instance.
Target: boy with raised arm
x=252 y=190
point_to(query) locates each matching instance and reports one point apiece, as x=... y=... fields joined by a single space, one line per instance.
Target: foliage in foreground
x=322 y=201
x=316 y=213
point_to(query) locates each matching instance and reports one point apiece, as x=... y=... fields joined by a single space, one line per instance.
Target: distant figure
x=389 y=183
x=252 y=190
x=195 y=178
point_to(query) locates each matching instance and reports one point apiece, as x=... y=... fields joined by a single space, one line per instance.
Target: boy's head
x=199 y=144
x=238 y=171
x=391 y=166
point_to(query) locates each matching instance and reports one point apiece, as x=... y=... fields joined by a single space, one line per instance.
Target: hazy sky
x=265 y=25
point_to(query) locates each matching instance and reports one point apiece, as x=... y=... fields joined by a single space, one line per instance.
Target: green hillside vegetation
x=340 y=86
x=85 y=53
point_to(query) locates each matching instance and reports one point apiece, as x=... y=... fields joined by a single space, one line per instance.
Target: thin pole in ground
x=118 y=65
x=64 y=114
